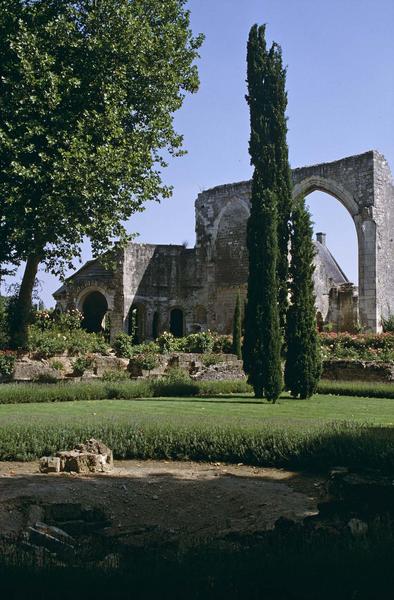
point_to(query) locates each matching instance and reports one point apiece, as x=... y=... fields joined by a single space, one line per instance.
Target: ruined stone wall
x=383 y=214
x=363 y=184
x=161 y=278
x=93 y=277
x=204 y=282
x=221 y=222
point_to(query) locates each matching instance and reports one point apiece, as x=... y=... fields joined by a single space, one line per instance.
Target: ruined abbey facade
x=173 y=288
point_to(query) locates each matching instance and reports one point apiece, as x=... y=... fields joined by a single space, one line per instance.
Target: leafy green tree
x=237 y=328
x=303 y=361
x=88 y=89
x=262 y=340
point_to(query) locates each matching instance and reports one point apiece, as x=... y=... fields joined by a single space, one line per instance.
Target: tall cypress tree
x=303 y=363
x=237 y=327
x=283 y=181
x=262 y=341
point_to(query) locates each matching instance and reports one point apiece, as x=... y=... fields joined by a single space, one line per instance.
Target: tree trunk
x=23 y=305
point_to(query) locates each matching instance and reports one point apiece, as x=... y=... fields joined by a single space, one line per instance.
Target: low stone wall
x=28 y=369
x=227 y=366
x=358 y=370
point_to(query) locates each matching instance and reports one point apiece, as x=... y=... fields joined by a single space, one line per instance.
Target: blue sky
x=340 y=57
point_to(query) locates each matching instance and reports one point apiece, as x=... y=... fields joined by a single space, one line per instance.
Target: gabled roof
x=331 y=266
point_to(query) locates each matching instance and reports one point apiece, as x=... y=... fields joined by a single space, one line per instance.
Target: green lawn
x=238 y=411
x=316 y=433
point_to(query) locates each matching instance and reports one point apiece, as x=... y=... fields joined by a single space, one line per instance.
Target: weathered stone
x=49 y=464
x=357 y=370
x=91 y=457
x=187 y=290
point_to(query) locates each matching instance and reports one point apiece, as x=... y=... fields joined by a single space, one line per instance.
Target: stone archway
x=363 y=184
x=94 y=309
x=137 y=323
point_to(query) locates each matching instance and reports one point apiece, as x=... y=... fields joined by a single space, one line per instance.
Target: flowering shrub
x=222 y=344
x=146 y=361
x=50 y=342
x=169 y=343
x=370 y=346
x=199 y=342
x=53 y=319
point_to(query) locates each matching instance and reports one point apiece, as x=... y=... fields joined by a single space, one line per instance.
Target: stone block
x=93 y=456
x=49 y=464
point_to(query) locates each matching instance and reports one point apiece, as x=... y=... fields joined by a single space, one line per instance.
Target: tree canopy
x=88 y=90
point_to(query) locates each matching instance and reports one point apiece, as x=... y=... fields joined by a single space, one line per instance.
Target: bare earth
x=156 y=501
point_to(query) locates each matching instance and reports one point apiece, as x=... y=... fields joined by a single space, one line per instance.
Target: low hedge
x=14 y=393
x=319 y=448
x=357 y=388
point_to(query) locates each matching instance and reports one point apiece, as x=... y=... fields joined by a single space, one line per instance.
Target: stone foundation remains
x=91 y=457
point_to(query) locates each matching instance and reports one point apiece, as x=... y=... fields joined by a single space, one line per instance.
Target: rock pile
x=91 y=457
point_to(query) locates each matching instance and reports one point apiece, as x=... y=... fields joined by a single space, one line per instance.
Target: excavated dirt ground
x=158 y=501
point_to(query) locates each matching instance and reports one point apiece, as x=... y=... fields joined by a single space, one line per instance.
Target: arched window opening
x=336 y=262
x=94 y=309
x=340 y=236
x=155 y=326
x=176 y=322
x=136 y=325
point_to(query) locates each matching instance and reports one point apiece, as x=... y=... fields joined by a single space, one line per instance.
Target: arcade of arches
x=183 y=290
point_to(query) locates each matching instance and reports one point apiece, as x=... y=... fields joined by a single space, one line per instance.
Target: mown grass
x=315 y=434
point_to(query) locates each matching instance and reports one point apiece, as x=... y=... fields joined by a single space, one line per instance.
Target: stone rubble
x=91 y=457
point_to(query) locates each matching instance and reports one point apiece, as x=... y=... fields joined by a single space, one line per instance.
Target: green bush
x=116 y=375
x=223 y=344
x=82 y=364
x=57 y=365
x=210 y=358
x=4 y=338
x=124 y=347
x=199 y=342
x=46 y=320
x=169 y=343
x=366 y=346
x=147 y=361
x=388 y=324
x=177 y=382
x=44 y=343
x=7 y=364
